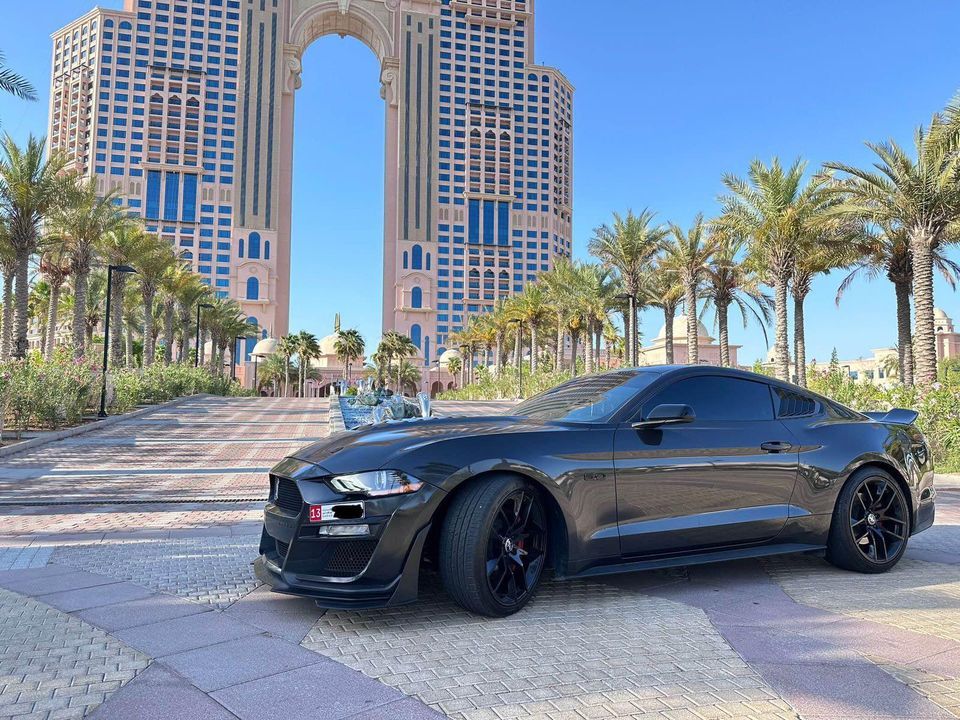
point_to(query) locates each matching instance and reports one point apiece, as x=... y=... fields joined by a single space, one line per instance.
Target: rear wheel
x=871 y=523
x=493 y=546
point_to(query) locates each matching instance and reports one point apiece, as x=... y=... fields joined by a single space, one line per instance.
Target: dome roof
x=328 y=346
x=680 y=330
x=267 y=346
x=448 y=355
x=940 y=314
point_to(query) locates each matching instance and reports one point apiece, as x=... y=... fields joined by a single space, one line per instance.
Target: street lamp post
x=106 y=334
x=631 y=341
x=196 y=357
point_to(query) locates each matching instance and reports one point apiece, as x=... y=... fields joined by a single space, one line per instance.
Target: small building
x=709 y=350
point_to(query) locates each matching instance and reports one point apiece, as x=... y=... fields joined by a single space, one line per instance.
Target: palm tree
x=775 y=210
x=308 y=347
x=286 y=348
x=270 y=371
x=349 y=346
x=8 y=268
x=594 y=291
x=887 y=251
x=663 y=289
x=730 y=281
x=55 y=267
x=532 y=307
x=15 y=84
x=92 y=312
x=399 y=347
x=84 y=220
x=157 y=259
x=408 y=376
x=453 y=367
x=30 y=187
x=121 y=246
x=559 y=283
x=190 y=294
x=921 y=195
x=226 y=322
x=689 y=254
x=629 y=246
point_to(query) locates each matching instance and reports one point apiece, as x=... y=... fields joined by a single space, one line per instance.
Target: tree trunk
x=558 y=360
x=668 y=333
x=588 y=348
x=799 y=341
x=6 y=335
x=781 y=346
x=52 y=312
x=533 y=348
x=635 y=336
x=693 y=341
x=148 y=337
x=21 y=306
x=924 y=339
x=80 y=278
x=724 y=332
x=116 y=290
x=573 y=352
x=168 y=334
x=627 y=329
x=129 y=345
x=904 y=334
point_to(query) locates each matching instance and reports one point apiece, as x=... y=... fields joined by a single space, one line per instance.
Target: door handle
x=775 y=446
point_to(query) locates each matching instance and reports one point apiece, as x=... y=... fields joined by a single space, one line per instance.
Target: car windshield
x=590 y=399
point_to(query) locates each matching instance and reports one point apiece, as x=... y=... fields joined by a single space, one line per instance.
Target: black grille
x=282 y=548
x=795 y=405
x=288 y=496
x=350 y=557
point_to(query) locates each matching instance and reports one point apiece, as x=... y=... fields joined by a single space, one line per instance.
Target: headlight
x=375 y=483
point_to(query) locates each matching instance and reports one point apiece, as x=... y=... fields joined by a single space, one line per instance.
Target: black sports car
x=628 y=470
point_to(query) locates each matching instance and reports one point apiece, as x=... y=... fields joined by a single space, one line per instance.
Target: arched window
x=416 y=298
x=417 y=263
x=126 y=25
x=253 y=247
x=251 y=341
x=240 y=245
x=415 y=335
x=406 y=260
x=428 y=261
x=426 y=349
x=253 y=288
x=266 y=249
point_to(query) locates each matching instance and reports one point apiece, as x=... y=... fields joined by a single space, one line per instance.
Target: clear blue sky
x=670 y=95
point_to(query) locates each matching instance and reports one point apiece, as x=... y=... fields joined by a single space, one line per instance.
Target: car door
x=723 y=479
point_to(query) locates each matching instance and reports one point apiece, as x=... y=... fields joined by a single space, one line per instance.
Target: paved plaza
x=126 y=591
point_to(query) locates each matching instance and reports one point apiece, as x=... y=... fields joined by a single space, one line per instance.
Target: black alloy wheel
x=516 y=547
x=871 y=523
x=493 y=545
x=878 y=519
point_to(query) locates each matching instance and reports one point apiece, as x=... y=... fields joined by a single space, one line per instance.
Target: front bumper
x=374 y=570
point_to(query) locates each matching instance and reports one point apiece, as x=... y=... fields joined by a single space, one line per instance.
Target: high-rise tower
x=187 y=107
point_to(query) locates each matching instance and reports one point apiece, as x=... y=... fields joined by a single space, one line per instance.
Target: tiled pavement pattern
x=209 y=570
x=580 y=650
x=164 y=578
x=53 y=665
x=919 y=596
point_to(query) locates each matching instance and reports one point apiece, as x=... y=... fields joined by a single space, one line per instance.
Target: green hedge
x=49 y=394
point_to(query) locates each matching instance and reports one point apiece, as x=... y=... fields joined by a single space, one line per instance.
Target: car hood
x=371 y=447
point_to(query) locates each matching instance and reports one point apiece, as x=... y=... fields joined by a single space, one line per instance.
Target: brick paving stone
x=55 y=666
x=214 y=571
x=23 y=558
x=577 y=644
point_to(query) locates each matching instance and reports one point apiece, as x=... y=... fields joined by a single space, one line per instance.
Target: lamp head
x=125 y=268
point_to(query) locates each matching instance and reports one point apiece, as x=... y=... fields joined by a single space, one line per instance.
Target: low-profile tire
x=871 y=523
x=493 y=545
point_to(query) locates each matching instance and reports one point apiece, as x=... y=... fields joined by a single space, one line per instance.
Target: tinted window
x=794 y=404
x=718 y=398
x=593 y=398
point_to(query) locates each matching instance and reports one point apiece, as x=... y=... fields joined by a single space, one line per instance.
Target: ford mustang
x=624 y=471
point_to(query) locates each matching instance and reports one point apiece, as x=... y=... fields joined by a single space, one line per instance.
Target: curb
x=57 y=435
x=336 y=415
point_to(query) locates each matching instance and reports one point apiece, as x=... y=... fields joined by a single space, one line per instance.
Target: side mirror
x=666 y=415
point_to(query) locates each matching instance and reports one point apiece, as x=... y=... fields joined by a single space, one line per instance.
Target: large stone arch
x=276 y=36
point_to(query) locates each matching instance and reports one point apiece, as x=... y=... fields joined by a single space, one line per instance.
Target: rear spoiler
x=899 y=416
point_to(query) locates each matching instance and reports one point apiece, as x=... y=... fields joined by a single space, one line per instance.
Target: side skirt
x=697 y=559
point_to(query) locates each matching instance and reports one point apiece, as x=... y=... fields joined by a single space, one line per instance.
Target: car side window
x=717 y=398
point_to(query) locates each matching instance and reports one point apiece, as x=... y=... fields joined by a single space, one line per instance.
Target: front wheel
x=871 y=523
x=493 y=546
